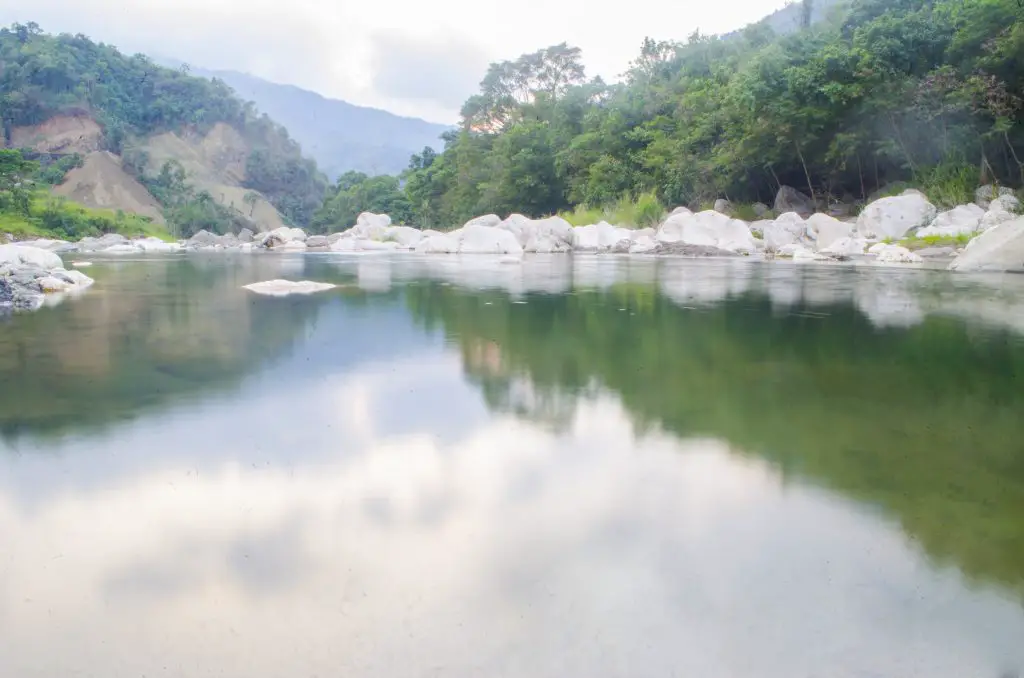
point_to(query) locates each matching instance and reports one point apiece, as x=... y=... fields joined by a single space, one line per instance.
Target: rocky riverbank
x=29 y=276
x=988 y=236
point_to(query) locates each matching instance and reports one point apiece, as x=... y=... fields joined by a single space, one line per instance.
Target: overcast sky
x=412 y=57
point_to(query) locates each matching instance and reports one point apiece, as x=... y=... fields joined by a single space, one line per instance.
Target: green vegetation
x=53 y=169
x=187 y=210
x=915 y=243
x=44 y=75
x=642 y=212
x=29 y=213
x=355 y=192
x=920 y=91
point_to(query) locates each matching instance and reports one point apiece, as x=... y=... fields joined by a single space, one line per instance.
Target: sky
x=410 y=57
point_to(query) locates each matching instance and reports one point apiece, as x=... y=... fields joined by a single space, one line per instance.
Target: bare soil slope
x=215 y=163
x=101 y=182
x=60 y=134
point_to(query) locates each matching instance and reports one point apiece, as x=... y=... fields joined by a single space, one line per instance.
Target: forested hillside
x=885 y=91
x=45 y=77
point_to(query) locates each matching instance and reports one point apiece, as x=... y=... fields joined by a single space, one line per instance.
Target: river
x=589 y=466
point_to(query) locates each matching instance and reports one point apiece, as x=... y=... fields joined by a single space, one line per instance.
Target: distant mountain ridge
x=340 y=136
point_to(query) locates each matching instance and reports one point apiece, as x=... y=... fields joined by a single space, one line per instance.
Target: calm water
x=590 y=467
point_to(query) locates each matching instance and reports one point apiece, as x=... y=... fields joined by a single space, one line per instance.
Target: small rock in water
x=511 y=260
x=81 y=264
x=283 y=288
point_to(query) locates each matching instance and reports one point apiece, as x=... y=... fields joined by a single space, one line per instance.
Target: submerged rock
x=284 y=288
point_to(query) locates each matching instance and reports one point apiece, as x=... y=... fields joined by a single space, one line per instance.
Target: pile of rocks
x=29 y=274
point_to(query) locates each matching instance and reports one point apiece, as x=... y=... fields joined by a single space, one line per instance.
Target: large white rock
x=520 y=226
x=19 y=255
x=283 y=288
x=895 y=254
x=1007 y=203
x=896 y=216
x=788 y=229
x=681 y=210
x=546 y=243
x=406 y=236
x=710 y=229
x=987 y=193
x=156 y=245
x=643 y=245
x=442 y=243
x=846 y=247
x=798 y=252
x=827 y=229
x=960 y=220
x=371 y=226
x=598 y=237
x=999 y=249
x=478 y=239
x=996 y=215
x=487 y=220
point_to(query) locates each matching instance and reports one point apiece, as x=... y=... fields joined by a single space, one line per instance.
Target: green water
x=455 y=467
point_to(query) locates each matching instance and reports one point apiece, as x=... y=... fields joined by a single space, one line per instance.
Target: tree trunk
x=807 y=174
x=860 y=173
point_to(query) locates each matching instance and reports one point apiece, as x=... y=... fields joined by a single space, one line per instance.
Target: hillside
x=143 y=139
x=340 y=136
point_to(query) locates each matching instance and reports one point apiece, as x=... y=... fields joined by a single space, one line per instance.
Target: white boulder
x=442 y=243
x=827 y=229
x=896 y=216
x=1001 y=248
x=487 y=221
x=598 y=237
x=19 y=255
x=156 y=245
x=790 y=228
x=960 y=220
x=710 y=229
x=643 y=245
x=984 y=195
x=896 y=254
x=479 y=239
x=846 y=247
x=405 y=236
x=371 y=226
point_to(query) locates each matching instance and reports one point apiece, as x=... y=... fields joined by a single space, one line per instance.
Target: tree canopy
x=884 y=91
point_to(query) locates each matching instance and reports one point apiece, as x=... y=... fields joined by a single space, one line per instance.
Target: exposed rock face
x=1001 y=248
x=896 y=216
x=789 y=199
x=60 y=134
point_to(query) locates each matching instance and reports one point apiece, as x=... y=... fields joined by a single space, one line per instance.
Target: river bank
x=987 y=235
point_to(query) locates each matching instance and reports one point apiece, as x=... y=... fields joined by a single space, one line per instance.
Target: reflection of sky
x=354 y=509
x=350 y=526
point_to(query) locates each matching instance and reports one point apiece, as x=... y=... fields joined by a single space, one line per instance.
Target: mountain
x=119 y=132
x=340 y=136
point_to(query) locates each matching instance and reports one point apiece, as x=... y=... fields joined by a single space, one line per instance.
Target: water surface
x=589 y=466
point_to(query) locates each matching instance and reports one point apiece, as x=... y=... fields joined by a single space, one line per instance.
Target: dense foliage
x=43 y=75
x=355 y=192
x=885 y=90
x=187 y=209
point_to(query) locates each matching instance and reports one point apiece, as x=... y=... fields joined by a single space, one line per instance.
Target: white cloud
x=337 y=48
